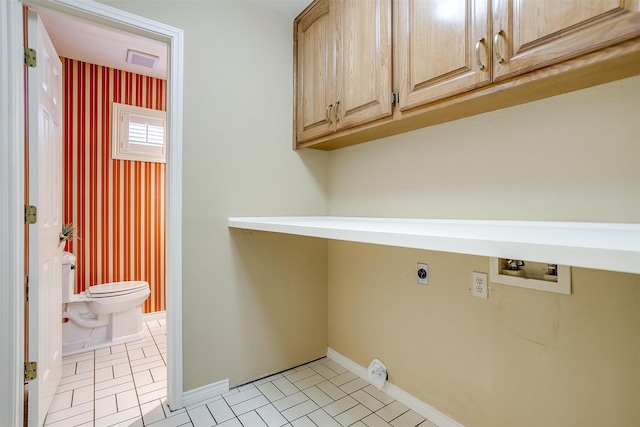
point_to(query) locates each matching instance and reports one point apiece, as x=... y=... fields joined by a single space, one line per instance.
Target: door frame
x=12 y=187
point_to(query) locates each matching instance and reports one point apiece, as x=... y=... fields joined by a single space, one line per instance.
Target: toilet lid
x=116 y=288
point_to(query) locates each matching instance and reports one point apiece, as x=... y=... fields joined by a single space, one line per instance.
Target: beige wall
x=522 y=357
x=253 y=303
x=574 y=157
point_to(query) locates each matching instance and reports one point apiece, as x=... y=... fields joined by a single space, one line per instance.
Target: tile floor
x=125 y=385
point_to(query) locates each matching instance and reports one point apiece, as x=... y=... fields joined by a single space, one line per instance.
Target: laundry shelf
x=604 y=246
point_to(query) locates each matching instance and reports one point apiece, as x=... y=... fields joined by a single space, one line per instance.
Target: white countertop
x=604 y=246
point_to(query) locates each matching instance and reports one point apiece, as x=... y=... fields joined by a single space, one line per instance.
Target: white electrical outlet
x=480 y=285
x=422 y=273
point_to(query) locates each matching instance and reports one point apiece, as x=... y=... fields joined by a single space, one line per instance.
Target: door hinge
x=29 y=57
x=30 y=371
x=395 y=98
x=30 y=214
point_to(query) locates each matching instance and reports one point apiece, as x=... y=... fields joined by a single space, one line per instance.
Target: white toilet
x=103 y=315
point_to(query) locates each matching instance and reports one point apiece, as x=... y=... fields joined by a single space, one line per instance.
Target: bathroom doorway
x=98 y=14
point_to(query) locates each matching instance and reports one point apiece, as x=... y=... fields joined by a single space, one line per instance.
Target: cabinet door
x=314 y=86
x=530 y=34
x=442 y=48
x=363 y=61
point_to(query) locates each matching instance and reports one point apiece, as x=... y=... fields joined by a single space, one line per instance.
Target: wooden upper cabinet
x=342 y=66
x=314 y=73
x=531 y=34
x=363 y=61
x=450 y=59
x=442 y=49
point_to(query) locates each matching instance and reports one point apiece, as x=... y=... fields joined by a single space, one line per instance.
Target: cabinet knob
x=495 y=45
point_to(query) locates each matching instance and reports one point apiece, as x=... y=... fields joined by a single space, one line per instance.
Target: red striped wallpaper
x=118 y=206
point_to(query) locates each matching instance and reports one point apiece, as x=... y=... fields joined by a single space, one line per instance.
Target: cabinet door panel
x=363 y=61
x=436 y=48
x=314 y=74
x=538 y=33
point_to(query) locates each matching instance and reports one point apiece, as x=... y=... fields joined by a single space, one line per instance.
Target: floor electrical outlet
x=480 y=285
x=423 y=273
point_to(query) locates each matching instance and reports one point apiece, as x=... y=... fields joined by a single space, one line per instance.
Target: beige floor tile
x=121 y=369
x=127 y=399
x=303 y=422
x=249 y=405
x=285 y=386
x=331 y=390
x=61 y=401
x=300 y=410
x=113 y=382
x=290 y=401
x=343 y=378
x=321 y=418
x=242 y=396
x=152 y=411
x=118 y=417
x=323 y=370
x=318 y=396
x=392 y=411
x=105 y=406
x=70 y=413
x=375 y=421
x=82 y=395
x=271 y=416
x=252 y=419
x=201 y=416
x=270 y=391
x=104 y=374
x=351 y=416
x=309 y=381
x=85 y=418
x=408 y=419
x=220 y=410
x=367 y=400
x=148 y=388
x=153 y=395
x=142 y=378
x=299 y=375
x=380 y=395
x=340 y=405
x=354 y=385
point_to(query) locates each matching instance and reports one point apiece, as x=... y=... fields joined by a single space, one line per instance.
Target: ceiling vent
x=142 y=59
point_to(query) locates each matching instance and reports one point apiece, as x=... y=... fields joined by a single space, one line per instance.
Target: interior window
x=139 y=134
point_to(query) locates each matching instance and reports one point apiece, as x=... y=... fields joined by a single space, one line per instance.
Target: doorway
x=12 y=330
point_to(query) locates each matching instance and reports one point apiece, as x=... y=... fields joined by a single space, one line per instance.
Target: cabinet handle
x=495 y=45
x=337 y=113
x=478 y=61
x=327 y=113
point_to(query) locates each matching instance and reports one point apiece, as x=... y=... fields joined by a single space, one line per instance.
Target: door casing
x=12 y=186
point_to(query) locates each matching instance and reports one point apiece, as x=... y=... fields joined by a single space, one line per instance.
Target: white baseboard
x=205 y=392
x=155 y=315
x=427 y=411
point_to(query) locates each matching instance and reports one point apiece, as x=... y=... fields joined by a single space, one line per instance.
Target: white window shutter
x=139 y=134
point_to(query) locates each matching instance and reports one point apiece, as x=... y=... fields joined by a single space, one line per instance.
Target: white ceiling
x=95 y=44
x=90 y=42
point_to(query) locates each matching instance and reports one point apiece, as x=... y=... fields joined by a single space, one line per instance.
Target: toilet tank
x=68 y=276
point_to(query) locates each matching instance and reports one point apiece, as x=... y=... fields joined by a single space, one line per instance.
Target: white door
x=45 y=192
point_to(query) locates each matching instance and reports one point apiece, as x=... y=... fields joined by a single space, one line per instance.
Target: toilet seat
x=108 y=290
